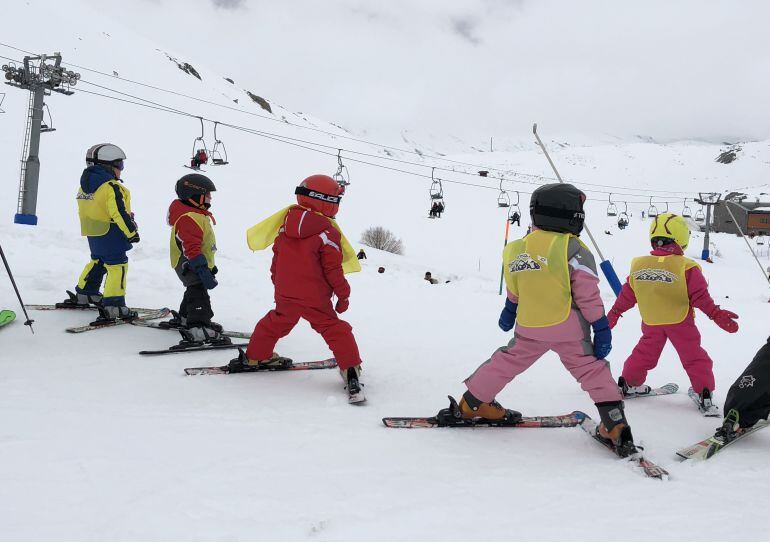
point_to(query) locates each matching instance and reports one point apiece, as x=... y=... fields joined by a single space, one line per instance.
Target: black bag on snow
x=750 y=394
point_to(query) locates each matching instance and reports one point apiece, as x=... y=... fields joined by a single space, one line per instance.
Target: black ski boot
x=79 y=301
x=632 y=391
x=200 y=335
x=109 y=314
x=614 y=428
x=352 y=378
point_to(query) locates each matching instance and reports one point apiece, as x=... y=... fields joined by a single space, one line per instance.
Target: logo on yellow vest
x=655 y=275
x=524 y=262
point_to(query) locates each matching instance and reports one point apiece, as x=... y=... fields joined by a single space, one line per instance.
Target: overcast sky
x=667 y=69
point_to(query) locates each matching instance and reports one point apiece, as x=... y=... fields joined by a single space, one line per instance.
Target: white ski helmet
x=105 y=153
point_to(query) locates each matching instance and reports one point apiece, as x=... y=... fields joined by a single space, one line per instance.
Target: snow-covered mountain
x=117 y=447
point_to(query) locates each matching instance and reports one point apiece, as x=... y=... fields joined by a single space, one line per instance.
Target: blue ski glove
x=508 y=316
x=201 y=268
x=602 y=337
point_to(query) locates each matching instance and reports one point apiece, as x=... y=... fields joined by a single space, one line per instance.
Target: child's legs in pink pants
x=593 y=374
x=645 y=355
x=696 y=362
x=504 y=365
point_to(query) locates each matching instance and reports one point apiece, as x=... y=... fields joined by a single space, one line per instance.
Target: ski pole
x=505 y=243
x=18 y=295
x=605 y=265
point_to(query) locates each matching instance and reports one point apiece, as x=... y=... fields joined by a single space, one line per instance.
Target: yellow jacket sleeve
x=117 y=201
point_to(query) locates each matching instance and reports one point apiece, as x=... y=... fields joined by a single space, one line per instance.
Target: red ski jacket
x=307 y=260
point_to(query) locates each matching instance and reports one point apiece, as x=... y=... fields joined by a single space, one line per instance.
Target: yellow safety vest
x=537 y=272
x=98 y=210
x=262 y=235
x=660 y=287
x=208 y=246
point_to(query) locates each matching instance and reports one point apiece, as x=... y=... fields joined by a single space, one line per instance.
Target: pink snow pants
x=521 y=353
x=686 y=340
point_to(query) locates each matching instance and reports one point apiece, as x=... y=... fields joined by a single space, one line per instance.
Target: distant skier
x=310 y=257
x=192 y=247
x=553 y=295
x=668 y=287
x=439 y=209
x=361 y=255
x=199 y=159
x=433 y=210
x=429 y=278
x=104 y=207
x=515 y=219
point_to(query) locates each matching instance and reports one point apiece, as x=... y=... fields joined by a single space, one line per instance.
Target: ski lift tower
x=708 y=200
x=40 y=75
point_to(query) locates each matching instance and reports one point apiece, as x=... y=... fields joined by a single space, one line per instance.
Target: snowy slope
x=100 y=444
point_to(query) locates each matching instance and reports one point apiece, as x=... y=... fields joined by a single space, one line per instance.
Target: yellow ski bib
x=262 y=235
x=660 y=287
x=537 y=272
x=96 y=210
x=208 y=246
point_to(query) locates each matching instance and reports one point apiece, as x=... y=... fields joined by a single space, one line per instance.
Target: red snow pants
x=686 y=340
x=279 y=322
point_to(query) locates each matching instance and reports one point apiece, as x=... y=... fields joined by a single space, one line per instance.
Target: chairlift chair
x=652 y=212
x=700 y=215
x=503 y=199
x=612 y=209
x=218 y=152
x=47 y=127
x=623 y=216
x=342 y=176
x=436 y=190
x=199 y=144
x=686 y=211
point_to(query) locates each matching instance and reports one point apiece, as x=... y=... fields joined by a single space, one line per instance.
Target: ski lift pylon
x=342 y=176
x=218 y=151
x=612 y=209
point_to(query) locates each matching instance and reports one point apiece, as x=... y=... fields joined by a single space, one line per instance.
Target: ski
x=707 y=448
x=6 y=317
x=159 y=325
x=450 y=417
x=32 y=307
x=293 y=366
x=710 y=412
x=666 y=389
x=152 y=315
x=179 y=349
x=649 y=468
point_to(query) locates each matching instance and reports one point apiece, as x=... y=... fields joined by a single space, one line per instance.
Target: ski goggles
x=314 y=194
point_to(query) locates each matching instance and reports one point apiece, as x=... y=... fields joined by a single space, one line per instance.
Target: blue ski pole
x=605 y=265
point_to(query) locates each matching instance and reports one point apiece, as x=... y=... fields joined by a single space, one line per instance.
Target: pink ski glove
x=613 y=316
x=724 y=319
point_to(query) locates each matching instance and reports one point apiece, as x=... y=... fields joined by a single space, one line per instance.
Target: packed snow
x=98 y=443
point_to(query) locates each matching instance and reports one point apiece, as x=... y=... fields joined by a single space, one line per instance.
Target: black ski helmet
x=558 y=207
x=194 y=186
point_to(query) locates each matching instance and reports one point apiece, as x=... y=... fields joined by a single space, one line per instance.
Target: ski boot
x=463 y=414
x=110 y=313
x=79 y=301
x=729 y=428
x=242 y=364
x=632 y=391
x=705 y=402
x=199 y=335
x=352 y=379
x=175 y=322
x=614 y=428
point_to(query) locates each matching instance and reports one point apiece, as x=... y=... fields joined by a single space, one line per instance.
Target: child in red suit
x=668 y=287
x=307 y=270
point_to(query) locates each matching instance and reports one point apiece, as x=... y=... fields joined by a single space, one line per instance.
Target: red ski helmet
x=320 y=193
